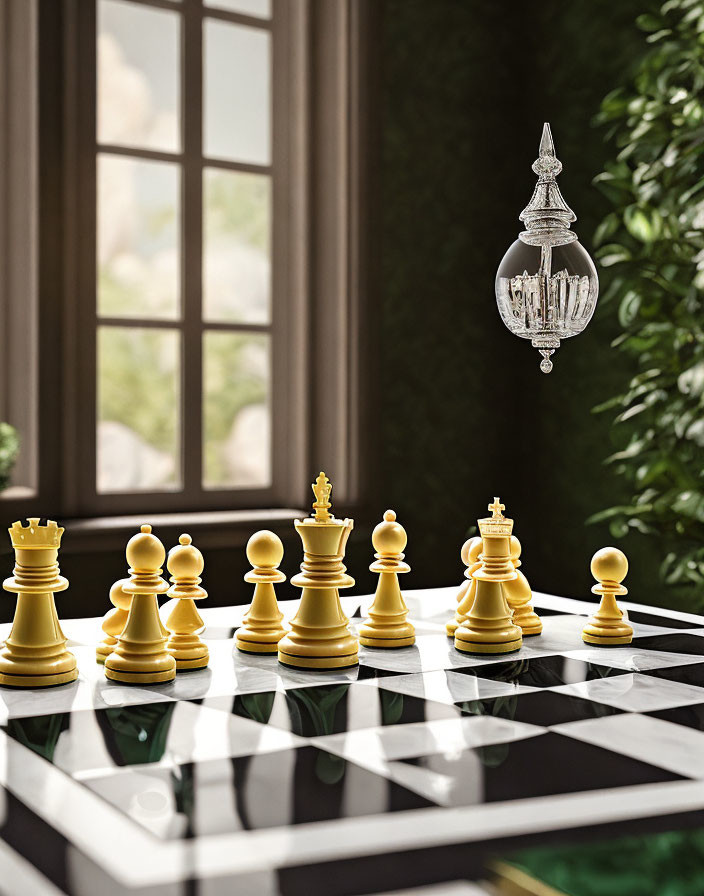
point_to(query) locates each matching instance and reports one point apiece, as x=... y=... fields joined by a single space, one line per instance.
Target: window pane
x=237 y=93
x=138 y=243
x=236 y=413
x=259 y=8
x=138 y=76
x=139 y=399
x=236 y=246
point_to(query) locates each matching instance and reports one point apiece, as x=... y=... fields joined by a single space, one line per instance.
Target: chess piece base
x=319 y=636
x=37 y=681
x=452 y=627
x=22 y=670
x=188 y=651
x=140 y=669
x=26 y=672
x=247 y=644
x=192 y=665
x=606 y=640
x=252 y=640
x=466 y=645
x=139 y=678
x=368 y=641
x=317 y=662
x=104 y=649
x=530 y=625
x=377 y=634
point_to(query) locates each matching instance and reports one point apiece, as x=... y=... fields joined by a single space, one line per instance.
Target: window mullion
x=192 y=242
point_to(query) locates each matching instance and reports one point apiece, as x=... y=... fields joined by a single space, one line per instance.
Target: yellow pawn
x=140 y=656
x=518 y=595
x=489 y=627
x=262 y=627
x=185 y=563
x=471 y=550
x=607 y=626
x=388 y=624
x=475 y=542
x=114 y=620
x=35 y=655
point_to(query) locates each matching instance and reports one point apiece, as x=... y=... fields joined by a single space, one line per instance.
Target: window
x=180 y=314
x=202 y=256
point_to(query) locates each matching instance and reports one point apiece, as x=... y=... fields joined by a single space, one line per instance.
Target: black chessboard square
x=543 y=708
x=676 y=642
x=333 y=709
x=537 y=766
x=689 y=673
x=644 y=618
x=102 y=738
x=541 y=672
x=689 y=716
x=268 y=790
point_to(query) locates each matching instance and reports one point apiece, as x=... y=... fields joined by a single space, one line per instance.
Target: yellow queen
x=319 y=636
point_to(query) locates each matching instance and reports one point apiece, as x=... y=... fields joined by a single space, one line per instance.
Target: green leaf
x=628 y=308
x=648 y=22
x=613 y=254
x=644 y=224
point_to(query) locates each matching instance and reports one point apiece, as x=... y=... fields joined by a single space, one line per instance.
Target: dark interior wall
x=466 y=413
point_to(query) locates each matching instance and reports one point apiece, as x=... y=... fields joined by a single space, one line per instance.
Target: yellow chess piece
x=140 y=656
x=185 y=563
x=475 y=545
x=518 y=595
x=35 y=655
x=319 y=636
x=489 y=627
x=471 y=551
x=388 y=624
x=263 y=627
x=607 y=626
x=114 y=620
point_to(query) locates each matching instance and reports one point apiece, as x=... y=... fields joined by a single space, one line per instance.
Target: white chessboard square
x=632 y=658
x=432 y=652
x=370 y=746
x=635 y=692
x=676 y=748
x=446 y=686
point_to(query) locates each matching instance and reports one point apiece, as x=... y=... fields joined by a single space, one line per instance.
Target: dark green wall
x=465 y=412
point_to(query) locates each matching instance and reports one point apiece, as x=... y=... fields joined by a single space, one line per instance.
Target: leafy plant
x=651 y=246
x=9 y=449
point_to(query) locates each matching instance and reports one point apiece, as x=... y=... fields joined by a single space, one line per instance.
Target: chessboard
x=410 y=771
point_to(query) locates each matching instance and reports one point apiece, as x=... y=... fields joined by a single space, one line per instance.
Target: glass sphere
x=546 y=292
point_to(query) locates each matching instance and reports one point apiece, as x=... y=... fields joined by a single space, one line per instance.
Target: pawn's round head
x=389 y=537
x=515 y=548
x=118 y=598
x=609 y=564
x=185 y=561
x=144 y=551
x=265 y=549
x=471 y=550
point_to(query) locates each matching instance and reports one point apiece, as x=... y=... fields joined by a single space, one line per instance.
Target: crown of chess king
x=35 y=536
x=497 y=523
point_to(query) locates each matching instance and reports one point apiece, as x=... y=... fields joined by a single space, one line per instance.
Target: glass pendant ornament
x=546 y=284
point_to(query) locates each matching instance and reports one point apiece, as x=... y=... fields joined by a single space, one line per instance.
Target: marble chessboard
x=406 y=773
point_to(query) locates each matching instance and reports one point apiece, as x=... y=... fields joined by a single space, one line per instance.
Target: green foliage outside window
x=651 y=254
x=9 y=449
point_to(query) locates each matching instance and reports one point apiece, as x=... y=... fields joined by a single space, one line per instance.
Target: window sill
x=211 y=529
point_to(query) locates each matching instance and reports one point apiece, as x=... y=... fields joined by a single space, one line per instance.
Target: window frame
x=321 y=296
